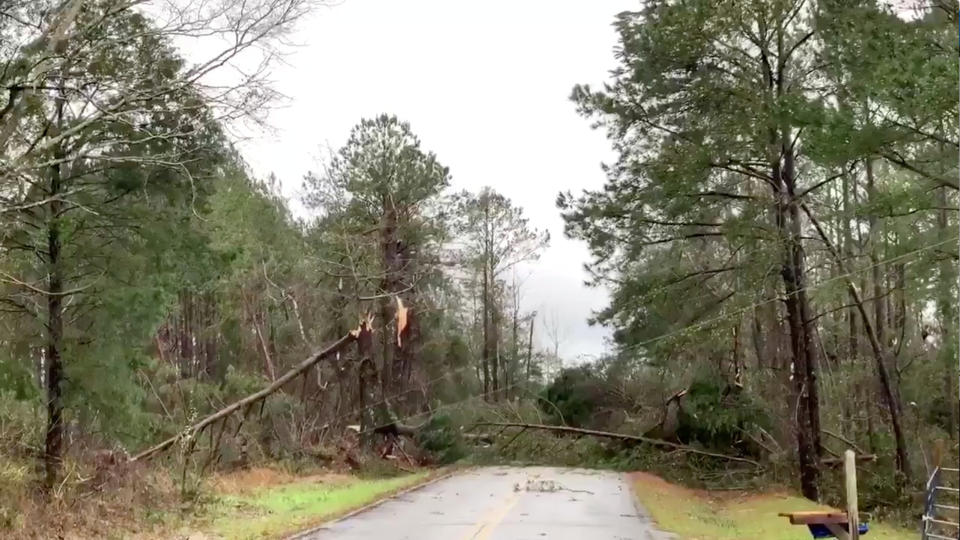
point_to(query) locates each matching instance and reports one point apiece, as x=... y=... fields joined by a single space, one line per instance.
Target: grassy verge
x=272 y=512
x=699 y=515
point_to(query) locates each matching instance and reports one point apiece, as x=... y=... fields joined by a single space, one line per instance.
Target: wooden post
x=850 y=473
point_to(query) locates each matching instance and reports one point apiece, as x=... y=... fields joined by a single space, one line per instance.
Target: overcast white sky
x=485 y=85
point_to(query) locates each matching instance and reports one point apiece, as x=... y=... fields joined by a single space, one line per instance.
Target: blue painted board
x=821 y=531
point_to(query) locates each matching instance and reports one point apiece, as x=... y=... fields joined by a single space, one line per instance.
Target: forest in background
x=782 y=217
x=779 y=233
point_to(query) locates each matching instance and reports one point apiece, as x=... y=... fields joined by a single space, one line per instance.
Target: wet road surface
x=504 y=503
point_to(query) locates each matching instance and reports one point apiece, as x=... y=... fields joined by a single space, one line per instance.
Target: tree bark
x=388 y=286
x=55 y=377
x=879 y=314
x=53 y=443
x=367 y=384
x=803 y=372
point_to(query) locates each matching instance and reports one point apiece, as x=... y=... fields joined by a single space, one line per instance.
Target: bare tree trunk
x=515 y=351
x=183 y=335
x=876 y=268
x=344 y=369
x=850 y=403
x=757 y=338
x=212 y=334
x=803 y=372
x=781 y=156
x=485 y=354
x=267 y=358
x=533 y=317
x=367 y=384
x=53 y=443
x=388 y=246
x=495 y=360
x=737 y=360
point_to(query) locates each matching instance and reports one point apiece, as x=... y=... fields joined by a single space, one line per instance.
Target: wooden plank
x=816 y=517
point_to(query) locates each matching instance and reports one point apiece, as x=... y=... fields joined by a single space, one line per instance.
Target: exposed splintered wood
x=196 y=428
x=618 y=436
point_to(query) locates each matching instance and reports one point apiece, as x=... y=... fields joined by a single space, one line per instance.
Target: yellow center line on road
x=486 y=526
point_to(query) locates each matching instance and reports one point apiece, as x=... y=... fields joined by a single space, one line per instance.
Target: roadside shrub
x=717 y=415
x=573 y=397
x=441 y=437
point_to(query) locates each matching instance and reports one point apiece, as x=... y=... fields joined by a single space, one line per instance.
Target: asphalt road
x=504 y=503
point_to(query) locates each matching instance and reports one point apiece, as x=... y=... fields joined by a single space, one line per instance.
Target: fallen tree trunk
x=196 y=428
x=618 y=436
x=397 y=429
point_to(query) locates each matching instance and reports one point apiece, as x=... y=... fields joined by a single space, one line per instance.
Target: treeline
x=782 y=217
x=148 y=278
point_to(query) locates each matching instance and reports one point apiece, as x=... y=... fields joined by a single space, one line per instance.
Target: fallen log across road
x=618 y=436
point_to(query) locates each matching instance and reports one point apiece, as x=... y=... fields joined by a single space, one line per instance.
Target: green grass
x=699 y=516
x=272 y=512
